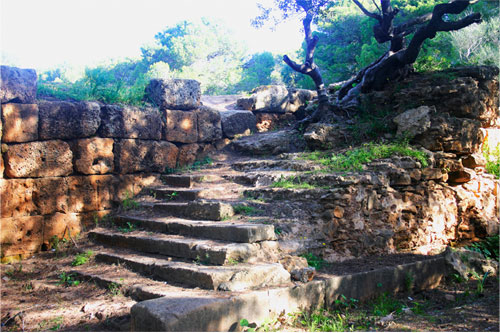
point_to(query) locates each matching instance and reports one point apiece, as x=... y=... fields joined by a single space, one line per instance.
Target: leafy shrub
x=81 y=258
x=314 y=261
x=488 y=247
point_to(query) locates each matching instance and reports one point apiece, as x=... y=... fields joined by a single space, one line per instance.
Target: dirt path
x=222 y=102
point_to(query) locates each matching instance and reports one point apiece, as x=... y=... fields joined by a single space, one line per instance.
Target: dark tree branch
x=309 y=67
x=367 y=12
x=399 y=61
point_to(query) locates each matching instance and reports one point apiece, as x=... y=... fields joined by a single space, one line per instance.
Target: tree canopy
x=344 y=44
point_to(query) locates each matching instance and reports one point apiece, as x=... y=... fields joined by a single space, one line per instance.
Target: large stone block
x=175 y=94
x=181 y=126
x=17 y=85
x=130 y=185
x=236 y=122
x=17 y=197
x=93 y=156
x=187 y=154
x=144 y=156
x=60 y=226
x=50 y=195
x=21 y=235
x=130 y=122
x=450 y=134
x=83 y=194
x=67 y=120
x=209 y=124
x=20 y=121
x=2 y=166
x=106 y=190
x=39 y=159
x=270 y=98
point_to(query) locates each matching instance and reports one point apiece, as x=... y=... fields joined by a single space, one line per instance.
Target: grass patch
x=129 y=228
x=129 y=203
x=293 y=182
x=82 y=258
x=355 y=159
x=246 y=210
x=385 y=304
x=325 y=321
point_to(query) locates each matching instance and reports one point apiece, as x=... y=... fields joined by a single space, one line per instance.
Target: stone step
x=189 y=180
x=200 y=250
x=200 y=209
x=283 y=165
x=117 y=278
x=186 y=194
x=228 y=278
x=227 y=231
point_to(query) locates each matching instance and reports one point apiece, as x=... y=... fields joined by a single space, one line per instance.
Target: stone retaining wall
x=66 y=164
x=394 y=205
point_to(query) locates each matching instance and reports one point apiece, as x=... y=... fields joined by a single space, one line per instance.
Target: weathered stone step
x=200 y=209
x=188 y=181
x=186 y=194
x=202 y=250
x=312 y=194
x=229 y=278
x=262 y=178
x=228 y=231
x=132 y=284
x=290 y=165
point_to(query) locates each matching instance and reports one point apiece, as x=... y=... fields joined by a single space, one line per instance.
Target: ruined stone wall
x=66 y=164
x=395 y=205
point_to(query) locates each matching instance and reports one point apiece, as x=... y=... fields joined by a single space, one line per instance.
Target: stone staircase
x=184 y=234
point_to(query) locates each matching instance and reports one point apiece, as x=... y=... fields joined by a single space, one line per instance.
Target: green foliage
x=314 y=261
x=129 y=228
x=122 y=82
x=82 y=258
x=114 y=288
x=258 y=71
x=489 y=247
x=325 y=321
x=202 y=50
x=247 y=327
x=53 y=324
x=68 y=280
x=203 y=260
x=129 y=203
x=492 y=157
x=385 y=304
x=355 y=159
x=246 y=210
x=293 y=182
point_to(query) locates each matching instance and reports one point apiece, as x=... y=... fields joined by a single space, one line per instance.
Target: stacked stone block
x=66 y=164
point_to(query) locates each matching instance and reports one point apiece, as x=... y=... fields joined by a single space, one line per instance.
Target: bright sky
x=43 y=34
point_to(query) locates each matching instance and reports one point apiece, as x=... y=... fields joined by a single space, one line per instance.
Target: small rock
x=450 y=298
x=303 y=274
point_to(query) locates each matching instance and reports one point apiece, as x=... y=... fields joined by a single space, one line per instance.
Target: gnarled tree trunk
x=309 y=67
x=398 y=62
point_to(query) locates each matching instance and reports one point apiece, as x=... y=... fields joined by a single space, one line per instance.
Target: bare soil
x=34 y=297
x=221 y=102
